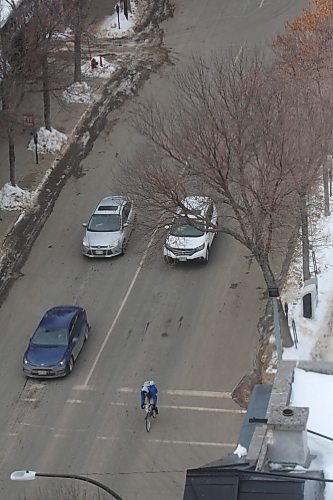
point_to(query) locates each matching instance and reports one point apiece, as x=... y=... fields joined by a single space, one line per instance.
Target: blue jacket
x=152 y=394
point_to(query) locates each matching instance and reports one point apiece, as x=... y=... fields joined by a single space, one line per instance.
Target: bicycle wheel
x=148 y=421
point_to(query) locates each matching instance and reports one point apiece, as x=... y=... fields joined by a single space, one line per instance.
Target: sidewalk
x=29 y=174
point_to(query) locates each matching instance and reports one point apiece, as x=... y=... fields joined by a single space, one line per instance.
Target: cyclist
x=149 y=395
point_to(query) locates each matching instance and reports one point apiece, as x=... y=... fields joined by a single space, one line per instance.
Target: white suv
x=192 y=232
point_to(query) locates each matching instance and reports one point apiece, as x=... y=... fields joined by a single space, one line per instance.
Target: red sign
x=28 y=120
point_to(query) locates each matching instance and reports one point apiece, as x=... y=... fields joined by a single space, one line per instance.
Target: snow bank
x=78 y=92
x=315 y=391
x=14 y=198
x=315 y=334
x=48 y=141
x=109 y=28
x=103 y=70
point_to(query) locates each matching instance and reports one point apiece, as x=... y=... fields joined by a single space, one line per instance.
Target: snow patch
x=15 y=198
x=104 y=69
x=314 y=335
x=109 y=28
x=49 y=141
x=85 y=138
x=315 y=391
x=240 y=451
x=78 y=92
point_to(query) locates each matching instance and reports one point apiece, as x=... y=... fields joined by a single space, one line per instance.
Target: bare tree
x=6 y=94
x=41 y=54
x=304 y=56
x=224 y=136
x=9 y=78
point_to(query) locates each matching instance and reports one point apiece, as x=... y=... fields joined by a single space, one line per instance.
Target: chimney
x=289 y=443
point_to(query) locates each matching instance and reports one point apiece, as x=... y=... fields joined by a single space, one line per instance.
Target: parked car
x=192 y=232
x=109 y=228
x=56 y=343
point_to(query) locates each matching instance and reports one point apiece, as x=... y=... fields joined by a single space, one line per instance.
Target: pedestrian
x=93 y=63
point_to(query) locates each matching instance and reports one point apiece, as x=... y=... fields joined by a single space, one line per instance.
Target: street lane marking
x=196 y=443
x=239 y=53
x=171 y=441
x=122 y=305
x=83 y=388
x=41 y=426
x=180 y=392
x=261 y=4
x=75 y=401
x=30 y=400
x=202 y=408
x=190 y=408
x=107 y=438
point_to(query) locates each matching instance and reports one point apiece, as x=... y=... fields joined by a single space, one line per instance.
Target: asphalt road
x=191 y=328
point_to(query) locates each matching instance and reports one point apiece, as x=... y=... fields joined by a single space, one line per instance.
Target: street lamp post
x=28 y=475
x=274 y=293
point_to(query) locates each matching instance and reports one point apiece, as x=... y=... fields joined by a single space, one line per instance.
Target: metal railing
x=293 y=325
x=314 y=260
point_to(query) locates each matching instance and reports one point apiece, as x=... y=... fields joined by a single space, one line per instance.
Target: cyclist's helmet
x=148 y=383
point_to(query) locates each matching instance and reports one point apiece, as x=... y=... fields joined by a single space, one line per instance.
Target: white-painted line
x=75 y=401
x=202 y=408
x=239 y=53
x=9 y=434
x=261 y=4
x=191 y=443
x=83 y=388
x=59 y=435
x=106 y=438
x=38 y=425
x=190 y=408
x=30 y=400
x=171 y=441
x=122 y=305
x=185 y=392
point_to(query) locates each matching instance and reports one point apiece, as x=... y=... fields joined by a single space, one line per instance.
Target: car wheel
x=70 y=365
x=86 y=332
x=168 y=260
x=206 y=259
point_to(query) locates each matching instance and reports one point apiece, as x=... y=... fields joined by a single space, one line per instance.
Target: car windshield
x=52 y=338
x=186 y=230
x=104 y=223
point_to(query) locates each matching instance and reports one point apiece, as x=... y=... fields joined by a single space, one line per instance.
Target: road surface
x=191 y=328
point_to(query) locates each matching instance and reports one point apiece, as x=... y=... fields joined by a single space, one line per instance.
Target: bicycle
x=150 y=413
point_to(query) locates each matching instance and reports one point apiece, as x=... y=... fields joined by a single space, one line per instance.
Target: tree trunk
x=305 y=237
x=11 y=154
x=46 y=93
x=9 y=129
x=268 y=274
x=77 y=41
x=326 y=190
